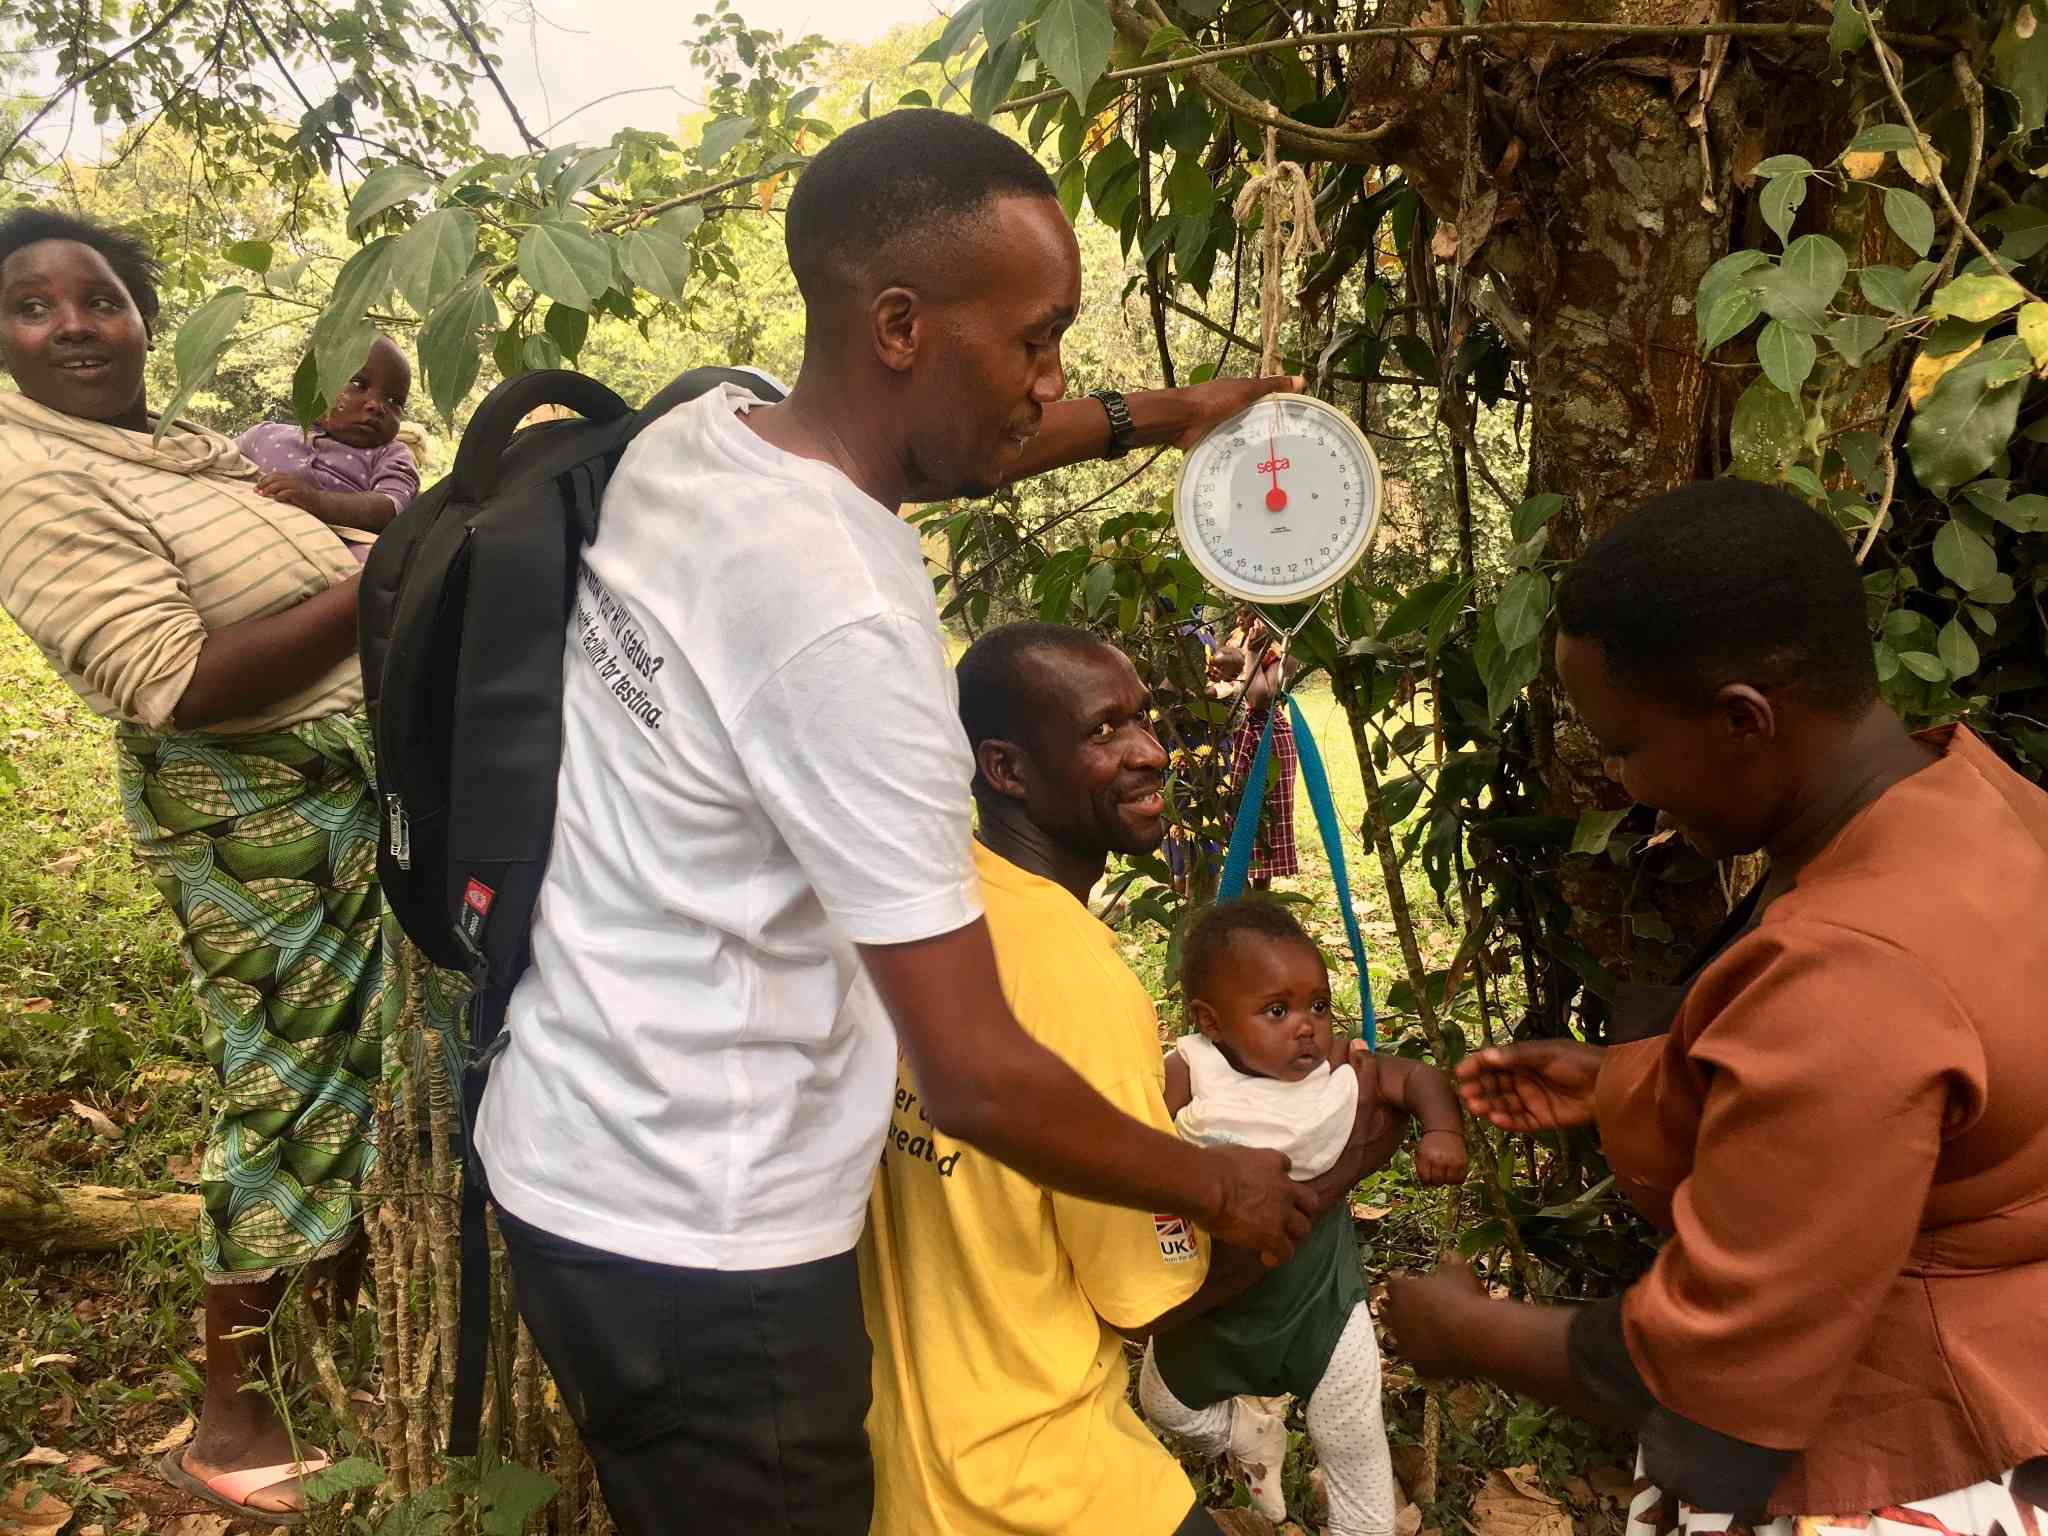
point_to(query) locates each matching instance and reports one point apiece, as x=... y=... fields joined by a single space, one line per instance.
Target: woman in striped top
x=215 y=629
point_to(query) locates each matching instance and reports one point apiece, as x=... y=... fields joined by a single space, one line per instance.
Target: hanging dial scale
x=1280 y=501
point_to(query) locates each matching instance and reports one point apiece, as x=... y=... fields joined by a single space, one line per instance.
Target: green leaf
x=1855 y=337
x=1976 y=298
x=1096 y=589
x=657 y=261
x=451 y=351
x=1783 y=165
x=565 y=261
x=541 y=352
x=1729 y=271
x=2023 y=514
x=1889 y=289
x=1524 y=605
x=1767 y=432
x=508 y=352
x=1073 y=39
x=2033 y=330
x=1923 y=666
x=1957 y=650
x=994 y=76
x=251 y=255
x=1887 y=661
x=1072 y=186
x=1000 y=19
x=1847 y=30
x=1882 y=139
x=1791 y=302
x=1963 y=556
x=1189 y=191
x=956 y=34
x=1817 y=264
x=1112 y=181
x=1534 y=513
x=1964 y=425
x=308 y=404
x=201 y=340
x=1164 y=40
x=1910 y=218
x=1415 y=354
x=1786 y=355
x=1528 y=551
x=1781 y=200
x=511 y=1495
x=1507 y=673
x=1413 y=611
x=385 y=187
x=349 y=1475
x=581 y=173
x=1595 y=828
x=1733 y=311
x=342 y=335
x=431 y=259
x=721 y=136
x=1804 y=481
x=568 y=326
x=2020 y=64
x=1862 y=452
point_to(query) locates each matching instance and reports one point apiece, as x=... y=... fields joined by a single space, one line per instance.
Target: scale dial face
x=1280 y=501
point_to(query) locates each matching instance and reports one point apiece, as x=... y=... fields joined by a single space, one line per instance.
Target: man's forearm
x=1074 y=431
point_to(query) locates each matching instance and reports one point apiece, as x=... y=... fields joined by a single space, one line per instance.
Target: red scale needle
x=1276 y=498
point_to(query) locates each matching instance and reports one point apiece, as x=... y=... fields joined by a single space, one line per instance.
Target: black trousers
x=727 y=1400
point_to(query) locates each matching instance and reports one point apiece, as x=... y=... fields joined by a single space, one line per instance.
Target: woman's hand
x=1541 y=1085
x=1430 y=1317
x=293 y=492
x=1441 y=1157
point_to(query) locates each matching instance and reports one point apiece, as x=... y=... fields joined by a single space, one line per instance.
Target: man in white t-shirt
x=762 y=857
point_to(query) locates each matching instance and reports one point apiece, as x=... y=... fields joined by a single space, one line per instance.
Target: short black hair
x=895 y=177
x=1202 y=947
x=133 y=261
x=997 y=698
x=1725 y=581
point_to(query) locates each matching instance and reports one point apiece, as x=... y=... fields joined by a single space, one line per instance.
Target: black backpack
x=465 y=606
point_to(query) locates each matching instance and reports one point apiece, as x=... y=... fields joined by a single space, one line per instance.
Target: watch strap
x=1121 y=432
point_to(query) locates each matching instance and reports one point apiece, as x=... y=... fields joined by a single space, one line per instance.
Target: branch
x=1918 y=42
x=1973 y=93
x=477 y=52
x=1973 y=97
x=94 y=72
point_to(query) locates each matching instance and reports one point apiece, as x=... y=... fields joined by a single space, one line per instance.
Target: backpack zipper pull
x=401 y=831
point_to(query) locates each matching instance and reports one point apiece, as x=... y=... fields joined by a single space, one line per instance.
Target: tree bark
x=84 y=1218
x=1595 y=212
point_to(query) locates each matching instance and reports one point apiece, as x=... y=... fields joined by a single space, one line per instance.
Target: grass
x=100 y=1356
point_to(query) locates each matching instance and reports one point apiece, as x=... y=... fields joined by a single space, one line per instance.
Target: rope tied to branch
x=1288 y=230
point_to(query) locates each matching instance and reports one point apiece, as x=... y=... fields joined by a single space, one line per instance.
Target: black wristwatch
x=1120 y=430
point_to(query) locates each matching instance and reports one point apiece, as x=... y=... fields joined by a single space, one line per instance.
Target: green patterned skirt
x=265 y=847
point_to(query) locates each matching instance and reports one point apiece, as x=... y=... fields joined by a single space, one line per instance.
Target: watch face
x=1280 y=501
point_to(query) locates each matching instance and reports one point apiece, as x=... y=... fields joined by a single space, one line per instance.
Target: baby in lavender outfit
x=348 y=471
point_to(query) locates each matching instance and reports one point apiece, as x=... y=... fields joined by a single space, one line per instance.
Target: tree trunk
x=1595 y=211
x=84 y=1218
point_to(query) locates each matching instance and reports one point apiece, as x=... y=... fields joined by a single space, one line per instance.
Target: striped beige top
x=118 y=555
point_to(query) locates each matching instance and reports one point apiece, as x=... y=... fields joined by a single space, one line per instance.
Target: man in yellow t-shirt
x=999 y=1308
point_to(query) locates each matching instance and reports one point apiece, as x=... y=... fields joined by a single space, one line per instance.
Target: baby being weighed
x=1266 y=1070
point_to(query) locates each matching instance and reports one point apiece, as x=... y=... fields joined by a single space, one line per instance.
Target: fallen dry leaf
x=101 y=1125
x=28 y=1511
x=43 y=1360
x=1528 y=1483
x=92 y=1530
x=184 y=1169
x=171 y=1441
x=1366 y=1212
x=85 y=1466
x=62 y=1412
x=1863 y=164
x=1408 y=1522
x=1502 y=1509
x=200 y=1525
x=35 y=1005
x=42 y=1456
x=69 y=862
